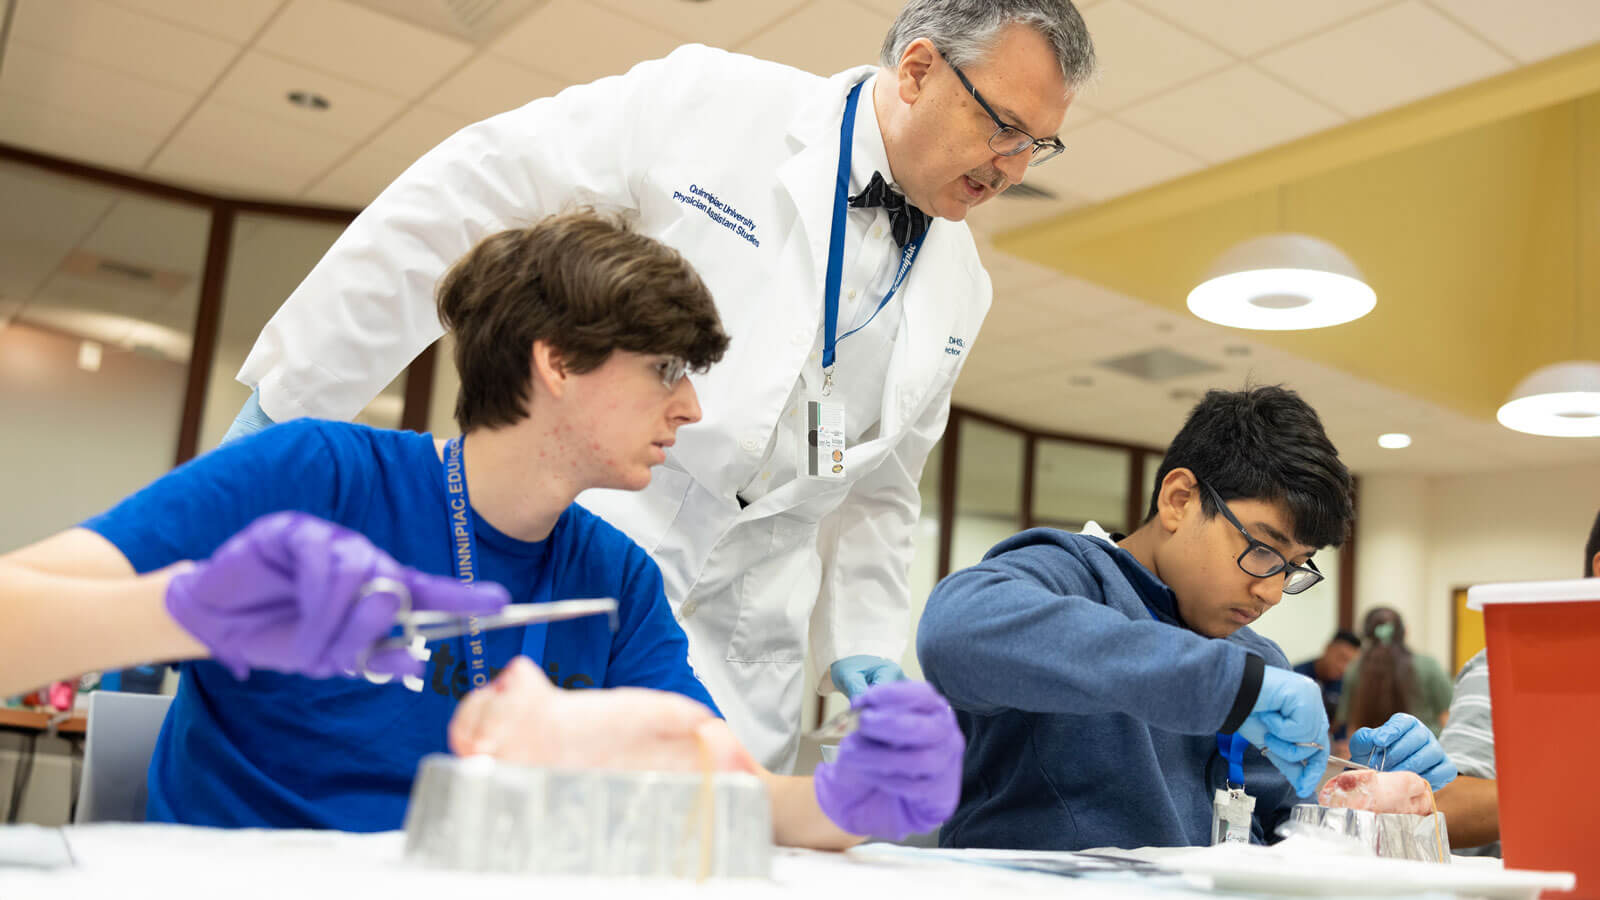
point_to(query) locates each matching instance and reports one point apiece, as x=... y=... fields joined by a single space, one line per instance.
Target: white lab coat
x=824 y=560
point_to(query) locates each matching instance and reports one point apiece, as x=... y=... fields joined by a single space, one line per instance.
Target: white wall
x=76 y=442
x=1422 y=537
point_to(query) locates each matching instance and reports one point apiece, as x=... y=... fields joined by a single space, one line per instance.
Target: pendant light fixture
x=1562 y=400
x=1282 y=282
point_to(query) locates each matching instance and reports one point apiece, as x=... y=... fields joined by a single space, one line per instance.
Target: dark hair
x=1265 y=443
x=582 y=283
x=1388 y=682
x=1592 y=548
x=1346 y=637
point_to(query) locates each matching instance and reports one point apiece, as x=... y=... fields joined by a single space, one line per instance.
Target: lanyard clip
x=827 y=381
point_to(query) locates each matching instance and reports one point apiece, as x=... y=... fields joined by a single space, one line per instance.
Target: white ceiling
x=194 y=92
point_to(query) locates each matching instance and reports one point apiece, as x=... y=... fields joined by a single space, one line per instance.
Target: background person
x=1327 y=670
x=1389 y=678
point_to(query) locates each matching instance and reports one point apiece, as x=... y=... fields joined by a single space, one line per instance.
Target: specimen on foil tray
x=1382 y=792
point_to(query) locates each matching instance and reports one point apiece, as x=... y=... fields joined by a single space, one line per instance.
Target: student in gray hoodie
x=1103 y=682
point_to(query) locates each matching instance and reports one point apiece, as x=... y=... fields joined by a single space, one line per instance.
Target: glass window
x=98 y=292
x=1078 y=483
x=269 y=258
x=988 y=490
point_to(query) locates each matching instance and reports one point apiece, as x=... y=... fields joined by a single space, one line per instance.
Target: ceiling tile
x=825 y=37
x=358 y=179
x=719 y=23
x=416 y=132
x=1141 y=55
x=261 y=83
x=1012 y=275
x=241 y=151
x=393 y=56
x=236 y=20
x=579 y=42
x=889 y=8
x=52 y=129
x=1229 y=114
x=1529 y=30
x=109 y=97
x=1247 y=27
x=1106 y=158
x=123 y=40
x=1407 y=52
x=156 y=234
x=488 y=86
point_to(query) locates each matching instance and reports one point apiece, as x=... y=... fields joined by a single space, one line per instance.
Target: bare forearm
x=58 y=626
x=797 y=820
x=1471 y=808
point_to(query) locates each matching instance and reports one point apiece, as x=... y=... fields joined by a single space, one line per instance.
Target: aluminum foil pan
x=486 y=816
x=1394 y=835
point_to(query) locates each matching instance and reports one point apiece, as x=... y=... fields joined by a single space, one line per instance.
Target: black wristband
x=1249 y=690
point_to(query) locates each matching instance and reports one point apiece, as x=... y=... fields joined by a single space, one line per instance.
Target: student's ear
x=914 y=66
x=1178 y=499
x=548 y=370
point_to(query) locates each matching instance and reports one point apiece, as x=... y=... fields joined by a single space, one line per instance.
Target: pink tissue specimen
x=1384 y=792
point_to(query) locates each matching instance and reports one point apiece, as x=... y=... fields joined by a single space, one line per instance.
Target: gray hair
x=964 y=30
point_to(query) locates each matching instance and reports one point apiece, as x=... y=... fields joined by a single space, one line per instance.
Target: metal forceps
x=418 y=627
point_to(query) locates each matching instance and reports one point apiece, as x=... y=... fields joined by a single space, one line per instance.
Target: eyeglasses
x=672 y=369
x=1009 y=140
x=1259 y=560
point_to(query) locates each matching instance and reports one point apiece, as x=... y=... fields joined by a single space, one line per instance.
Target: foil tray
x=1392 y=835
x=486 y=816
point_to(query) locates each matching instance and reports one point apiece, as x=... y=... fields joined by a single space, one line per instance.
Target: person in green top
x=1388 y=678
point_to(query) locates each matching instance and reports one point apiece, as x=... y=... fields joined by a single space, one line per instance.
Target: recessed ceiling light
x=89 y=356
x=309 y=100
x=1394 y=441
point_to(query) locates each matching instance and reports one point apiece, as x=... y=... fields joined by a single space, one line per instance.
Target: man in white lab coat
x=825 y=215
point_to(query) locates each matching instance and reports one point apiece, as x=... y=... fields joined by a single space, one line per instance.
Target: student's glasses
x=1260 y=560
x=672 y=369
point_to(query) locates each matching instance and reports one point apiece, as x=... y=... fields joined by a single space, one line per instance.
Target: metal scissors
x=420 y=626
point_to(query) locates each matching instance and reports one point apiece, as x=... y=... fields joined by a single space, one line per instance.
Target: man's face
x=621 y=419
x=1336 y=658
x=948 y=166
x=1215 y=596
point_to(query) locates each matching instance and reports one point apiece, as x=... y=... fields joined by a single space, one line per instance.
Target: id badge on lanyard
x=1231 y=808
x=823 y=443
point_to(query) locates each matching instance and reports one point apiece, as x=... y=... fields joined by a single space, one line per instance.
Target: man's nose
x=686 y=403
x=1015 y=168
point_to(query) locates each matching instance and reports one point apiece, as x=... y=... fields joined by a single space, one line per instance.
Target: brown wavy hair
x=585 y=284
x=1388 y=682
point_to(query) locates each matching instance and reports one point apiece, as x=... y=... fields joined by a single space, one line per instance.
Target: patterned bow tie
x=906 y=222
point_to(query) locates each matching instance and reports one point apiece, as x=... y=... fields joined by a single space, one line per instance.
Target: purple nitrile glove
x=285 y=594
x=899 y=772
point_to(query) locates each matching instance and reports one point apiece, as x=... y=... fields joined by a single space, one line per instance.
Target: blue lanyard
x=1231 y=746
x=463 y=549
x=841 y=202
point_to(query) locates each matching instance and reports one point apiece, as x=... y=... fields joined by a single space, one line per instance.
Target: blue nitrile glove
x=250 y=419
x=1290 y=725
x=1403 y=744
x=855 y=674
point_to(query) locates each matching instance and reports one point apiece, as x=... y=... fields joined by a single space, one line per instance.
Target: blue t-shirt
x=284 y=751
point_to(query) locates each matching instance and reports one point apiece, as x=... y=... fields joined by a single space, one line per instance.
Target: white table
x=126 y=862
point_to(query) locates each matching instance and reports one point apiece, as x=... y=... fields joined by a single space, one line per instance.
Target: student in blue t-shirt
x=573 y=338
x=1110 y=688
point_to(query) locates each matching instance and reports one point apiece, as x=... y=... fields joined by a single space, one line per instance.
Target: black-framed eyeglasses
x=672 y=369
x=1260 y=560
x=1009 y=140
